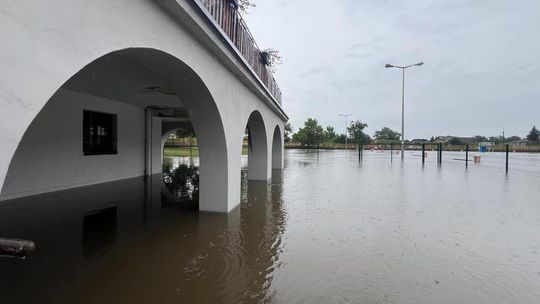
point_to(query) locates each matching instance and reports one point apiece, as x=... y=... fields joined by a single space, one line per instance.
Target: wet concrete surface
x=328 y=229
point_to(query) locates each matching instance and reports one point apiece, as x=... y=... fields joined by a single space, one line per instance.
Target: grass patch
x=184 y=151
x=180 y=151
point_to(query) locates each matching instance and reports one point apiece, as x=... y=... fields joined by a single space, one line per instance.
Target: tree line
x=312 y=134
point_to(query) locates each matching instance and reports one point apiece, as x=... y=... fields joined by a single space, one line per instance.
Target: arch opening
x=277 y=149
x=105 y=123
x=180 y=162
x=257 y=148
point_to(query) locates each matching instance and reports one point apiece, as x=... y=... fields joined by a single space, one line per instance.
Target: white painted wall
x=157 y=153
x=45 y=47
x=50 y=157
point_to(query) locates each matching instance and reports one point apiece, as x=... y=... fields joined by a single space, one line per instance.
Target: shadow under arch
x=277 y=149
x=257 y=148
x=144 y=78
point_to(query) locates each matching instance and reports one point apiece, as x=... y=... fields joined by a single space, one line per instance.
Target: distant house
x=486 y=146
x=466 y=140
x=519 y=143
x=454 y=139
x=419 y=141
x=442 y=139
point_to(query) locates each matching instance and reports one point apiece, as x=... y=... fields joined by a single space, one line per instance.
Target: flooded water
x=328 y=229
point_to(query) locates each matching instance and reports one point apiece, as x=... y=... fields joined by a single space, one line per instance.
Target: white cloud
x=482 y=71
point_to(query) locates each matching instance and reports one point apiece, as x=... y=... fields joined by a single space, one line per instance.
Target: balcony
x=225 y=13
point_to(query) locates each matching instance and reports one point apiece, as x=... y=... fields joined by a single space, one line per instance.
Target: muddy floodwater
x=328 y=229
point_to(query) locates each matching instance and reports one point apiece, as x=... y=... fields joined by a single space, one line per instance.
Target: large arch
x=258 y=148
x=277 y=149
x=130 y=83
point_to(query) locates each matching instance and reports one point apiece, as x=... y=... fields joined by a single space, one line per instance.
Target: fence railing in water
x=227 y=16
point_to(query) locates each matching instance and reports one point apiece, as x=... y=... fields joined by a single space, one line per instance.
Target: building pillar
x=148 y=125
x=156 y=153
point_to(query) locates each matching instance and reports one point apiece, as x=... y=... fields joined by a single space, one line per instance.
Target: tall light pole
x=403 y=102
x=346 y=125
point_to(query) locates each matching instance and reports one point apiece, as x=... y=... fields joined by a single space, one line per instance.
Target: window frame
x=109 y=149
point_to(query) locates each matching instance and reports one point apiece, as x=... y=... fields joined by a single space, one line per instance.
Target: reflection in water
x=182 y=180
x=99 y=231
x=138 y=247
x=324 y=231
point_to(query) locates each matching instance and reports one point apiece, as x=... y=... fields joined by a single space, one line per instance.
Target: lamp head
x=388 y=66
x=420 y=63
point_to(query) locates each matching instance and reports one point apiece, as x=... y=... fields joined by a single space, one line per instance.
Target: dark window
x=99 y=133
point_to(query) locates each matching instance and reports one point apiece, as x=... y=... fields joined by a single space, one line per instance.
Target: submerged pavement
x=328 y=229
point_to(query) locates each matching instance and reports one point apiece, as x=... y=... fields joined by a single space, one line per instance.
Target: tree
x=455 y=141
x=367 y=139
x=356 y=132
x=417 y=141
x=244 y=5
x=479 y=139
x=288 y=131
x=181 y=133
x=386 y=135
x=513 y=138
x=534 y=135
x=311 y=134
x=340 y=139
x=271 y=58
x=329 y=134
x=299 y=137
x=496 y=139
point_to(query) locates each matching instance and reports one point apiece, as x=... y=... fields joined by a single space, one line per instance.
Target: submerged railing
x=227 y=16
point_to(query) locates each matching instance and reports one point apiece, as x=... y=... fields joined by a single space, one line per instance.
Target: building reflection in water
x=99 y=231
x=140 y=243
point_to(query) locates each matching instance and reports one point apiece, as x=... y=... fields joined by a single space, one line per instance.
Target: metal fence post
x=507 y=151
x=440 y=153
x=423 y=153
x=466 y=156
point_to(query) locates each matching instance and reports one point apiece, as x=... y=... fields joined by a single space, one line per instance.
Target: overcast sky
x=481 y=72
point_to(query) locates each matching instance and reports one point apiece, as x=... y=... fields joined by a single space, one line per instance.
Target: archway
x=277 y=149
x=180 y=164
x=257 y=148
x=103 y=124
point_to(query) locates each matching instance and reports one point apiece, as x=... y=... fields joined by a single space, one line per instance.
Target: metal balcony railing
x=227 y=16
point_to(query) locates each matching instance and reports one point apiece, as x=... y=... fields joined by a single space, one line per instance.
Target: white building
x=86 y=88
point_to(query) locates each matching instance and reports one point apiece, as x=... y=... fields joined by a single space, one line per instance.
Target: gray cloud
x=482 y=72
x=316 y=70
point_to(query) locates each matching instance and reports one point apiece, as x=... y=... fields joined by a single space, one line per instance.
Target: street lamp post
x=346 y=125
x=403 y=101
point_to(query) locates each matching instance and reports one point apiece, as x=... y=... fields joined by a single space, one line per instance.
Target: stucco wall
x=50 y=156
x=157 y=153
x=45 y=47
